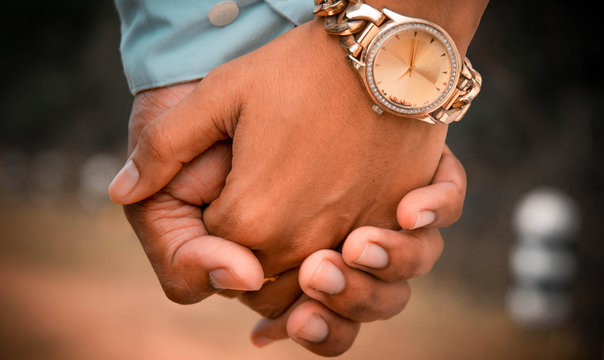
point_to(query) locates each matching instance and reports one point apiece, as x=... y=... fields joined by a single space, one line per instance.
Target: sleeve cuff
x=296 y=11
x=165 y=43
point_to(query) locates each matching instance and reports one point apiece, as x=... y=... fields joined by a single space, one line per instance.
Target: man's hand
x=189 y=263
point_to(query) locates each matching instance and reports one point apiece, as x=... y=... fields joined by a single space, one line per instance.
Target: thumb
x=201 y=119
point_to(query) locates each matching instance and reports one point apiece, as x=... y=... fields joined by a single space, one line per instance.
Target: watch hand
x=413 y=51
x=405 y=73
x=412 y=55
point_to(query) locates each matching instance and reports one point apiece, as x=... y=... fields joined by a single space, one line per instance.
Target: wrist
x=460 y=18
x=409 y=43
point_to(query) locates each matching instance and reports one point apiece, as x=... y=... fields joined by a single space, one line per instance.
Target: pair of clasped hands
x=273 y=181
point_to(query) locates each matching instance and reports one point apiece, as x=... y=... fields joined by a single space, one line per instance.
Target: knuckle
x=364 y=310
x=239 y=221
x=218 y=74
x=411 y=268
x=454 y=206
x=180 y=279
x=366 y=233
x=334 y=350
x=178 y=293
x=420 y=262
x=248 y=220
x=339 y=343
x=179 y=290
x=414 y=264
x=457 y=213
x=380 y=305
x=154 y=144
x=404 y=266
x=364 y=306
x=398 y=301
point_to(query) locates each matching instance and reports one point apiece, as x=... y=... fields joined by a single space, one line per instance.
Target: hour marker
x=437 y=88
x=445 y=72
x=377 y=65
x=379 y=82
x=443 y=54
x=396 y=36
x=415 y=34
x=431 y=40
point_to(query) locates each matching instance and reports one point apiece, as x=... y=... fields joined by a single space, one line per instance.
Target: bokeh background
x=76 y=284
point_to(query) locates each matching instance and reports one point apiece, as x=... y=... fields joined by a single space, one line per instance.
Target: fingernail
x=261 y=341
x=327 y=278
x=124 y=181
x=424 y=218
x=373 y=256
x=226 y=279
x=315 y=329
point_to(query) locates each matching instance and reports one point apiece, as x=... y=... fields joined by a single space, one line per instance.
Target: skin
x=332 y=170
x=168 y=226
x=318 y=173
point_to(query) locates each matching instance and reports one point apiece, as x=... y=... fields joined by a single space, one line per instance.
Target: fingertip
x=319 y=272
x=406 y=212
x=124 y=183
x=261 y=341
x=249 y=271
x=236 y=268
x=229 y=279
x=308 y=326
x=227 y=265
x=424 y=218
x=260 y=336
x=362 y=248
x=321 y=331
x=437 y=205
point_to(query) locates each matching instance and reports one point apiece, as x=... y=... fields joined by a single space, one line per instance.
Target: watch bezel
x=389 y=30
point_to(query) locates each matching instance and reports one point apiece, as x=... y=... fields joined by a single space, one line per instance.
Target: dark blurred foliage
x=62 y=83
x=536 y=122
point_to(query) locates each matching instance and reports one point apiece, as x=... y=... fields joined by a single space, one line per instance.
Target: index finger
x=204 y=117
x=392 y=255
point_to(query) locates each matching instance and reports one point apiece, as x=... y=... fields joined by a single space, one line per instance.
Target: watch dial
x=412 y=68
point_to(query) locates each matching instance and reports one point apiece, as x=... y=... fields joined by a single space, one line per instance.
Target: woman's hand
x=367 y=281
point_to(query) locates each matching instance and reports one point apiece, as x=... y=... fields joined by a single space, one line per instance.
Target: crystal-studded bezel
x=382 y=37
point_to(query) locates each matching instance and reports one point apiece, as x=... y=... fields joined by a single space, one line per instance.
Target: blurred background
x=522 y=272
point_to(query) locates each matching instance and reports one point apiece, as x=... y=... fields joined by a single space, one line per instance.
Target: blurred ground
x=76 y=284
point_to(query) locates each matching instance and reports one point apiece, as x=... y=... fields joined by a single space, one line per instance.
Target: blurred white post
x=542 y=261
x=95 y=177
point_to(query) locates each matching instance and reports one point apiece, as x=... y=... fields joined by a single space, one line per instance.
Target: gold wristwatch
x=410 y=67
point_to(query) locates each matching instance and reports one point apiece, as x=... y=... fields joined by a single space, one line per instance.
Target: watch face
x=411 y=68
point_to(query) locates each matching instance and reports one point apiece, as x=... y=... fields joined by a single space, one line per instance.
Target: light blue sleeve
x=166 y=42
